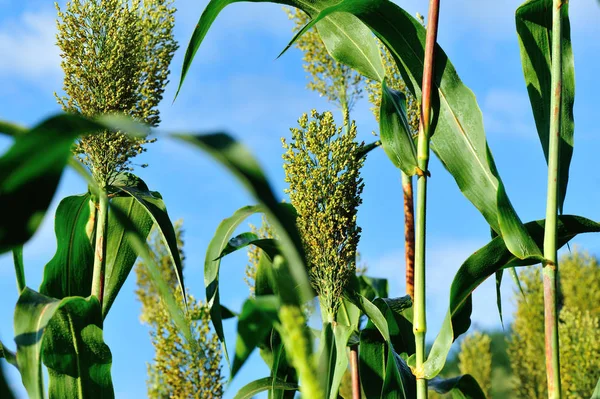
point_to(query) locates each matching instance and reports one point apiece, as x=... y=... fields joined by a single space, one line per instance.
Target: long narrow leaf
x=120 y=255
x=255 y=323
x=242 y=164
x=462 y=387
x=33 y=316
x=69 y=272
x=29 y=174
x=19 y=267
x=156 y=209
x=396 y=138
x=459 y=137
x=534 y=29
x=478 y=267
x=342 y=35
x=255 y=387
x=137 y=241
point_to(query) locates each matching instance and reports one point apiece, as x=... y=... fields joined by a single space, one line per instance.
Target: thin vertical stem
x=551 y=264
x=19 y=269
x=100 y=251
x=420 y=324
x=354 y=370
x=409 y=233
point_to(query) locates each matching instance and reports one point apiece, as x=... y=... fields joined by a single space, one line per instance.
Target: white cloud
x=28 y=48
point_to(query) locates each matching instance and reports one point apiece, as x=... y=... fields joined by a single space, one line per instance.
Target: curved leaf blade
x=120 y=254
x=459 y=137
x=462 y=387
x=534 y=29
x=244 y=166
x=264 y=384
x=156 y=210
x=482 y=264
x=396 y=138
x=138 y=242
x=75 y=354
x=33 y=314
x=69 y=272
x=212 y=266
x=342 y=35
x=255 y=323
x=30 y=171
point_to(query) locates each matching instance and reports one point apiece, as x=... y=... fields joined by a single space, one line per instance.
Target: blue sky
x=236 y=85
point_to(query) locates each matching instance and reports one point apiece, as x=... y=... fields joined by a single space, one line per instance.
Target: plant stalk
x=100 y=250
x=354 y=370
x=420 y=323
x=550 y=250
x=19 y=270
x=409 y=233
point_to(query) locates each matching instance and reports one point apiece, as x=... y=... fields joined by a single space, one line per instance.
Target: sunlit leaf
x=30 y=171
x=477 y=268
x=343 y=35
x=253 y=388
x=459 y=137
x=69 y=272
x=534 y=29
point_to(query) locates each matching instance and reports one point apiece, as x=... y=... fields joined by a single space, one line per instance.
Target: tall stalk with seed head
x=115 y=56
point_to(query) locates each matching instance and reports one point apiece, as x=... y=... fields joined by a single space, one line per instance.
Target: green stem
x=19 y=269
x=551 y=264
x=100 y=251
x=420 y=323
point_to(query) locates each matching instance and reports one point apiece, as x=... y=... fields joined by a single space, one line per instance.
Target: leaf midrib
x=442 y=95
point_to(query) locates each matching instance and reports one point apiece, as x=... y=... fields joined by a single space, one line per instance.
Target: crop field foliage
x=323 y=325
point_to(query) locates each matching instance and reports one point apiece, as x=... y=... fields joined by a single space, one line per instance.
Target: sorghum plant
x=178 y=370
x=322 y=167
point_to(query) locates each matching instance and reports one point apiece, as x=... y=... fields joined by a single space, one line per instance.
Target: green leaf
x=120 y=254
x=8 y=355
x=372 y=287
x=343 y=35
x=264 y=384
x=212 y=266
x=459 y=137
x=534 y=29
x=398 y=315
x=342 y=335
x=138 y=242
x=255 y=323
x=499 y=294
x=244 y=166
x=33 y=314
x=5 y=391
x=327 y=359
x=75 y=354
x=596 y=393
x=69 y=272
x=396 y=137
x=462 y=387
x=19 y=267
x=371 y=310
x=382 y=373
x=482 y=264
x=156 y=209
x=30 y=171
x=268 y=245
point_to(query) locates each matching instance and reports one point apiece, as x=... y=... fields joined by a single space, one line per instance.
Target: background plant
x=178 y=370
